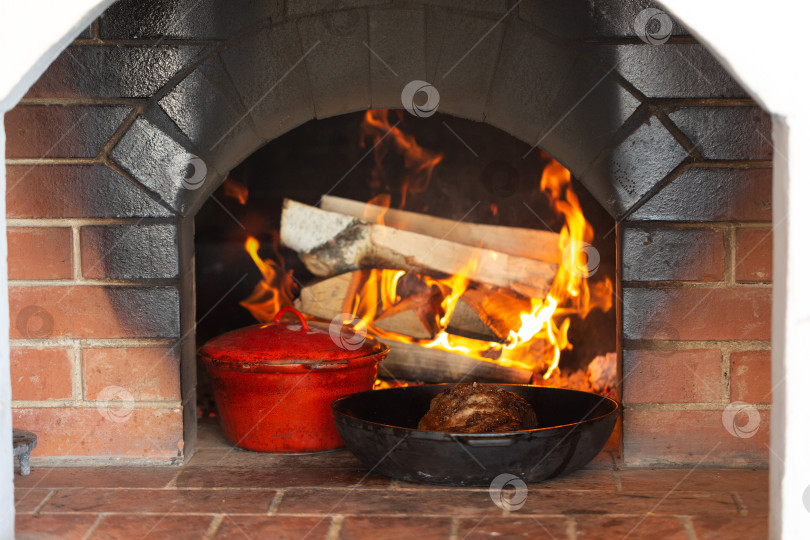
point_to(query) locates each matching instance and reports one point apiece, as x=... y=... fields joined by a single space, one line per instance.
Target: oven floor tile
x=230 y=493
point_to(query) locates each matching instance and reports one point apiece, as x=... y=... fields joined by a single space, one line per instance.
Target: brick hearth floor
x=230 y=493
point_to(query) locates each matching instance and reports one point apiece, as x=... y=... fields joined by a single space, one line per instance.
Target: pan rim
x=616 y=406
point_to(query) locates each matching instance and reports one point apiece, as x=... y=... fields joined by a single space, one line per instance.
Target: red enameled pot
x=273 y=383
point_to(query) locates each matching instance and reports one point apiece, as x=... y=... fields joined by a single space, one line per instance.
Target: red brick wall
x=696 y=308
x=99 y=218
x=94 y=309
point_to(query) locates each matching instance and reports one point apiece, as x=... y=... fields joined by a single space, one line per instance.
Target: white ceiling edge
x=32 y=34
x=762 y=45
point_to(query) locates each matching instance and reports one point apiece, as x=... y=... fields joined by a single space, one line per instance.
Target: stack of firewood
x=343 y=238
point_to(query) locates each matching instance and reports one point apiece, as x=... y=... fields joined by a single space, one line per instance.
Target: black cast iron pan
x=379 y=427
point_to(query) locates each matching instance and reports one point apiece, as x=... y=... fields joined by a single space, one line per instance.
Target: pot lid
x=291 y=342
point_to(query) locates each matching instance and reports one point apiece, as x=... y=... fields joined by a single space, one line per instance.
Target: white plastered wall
x=763 y=45
x=32 y=34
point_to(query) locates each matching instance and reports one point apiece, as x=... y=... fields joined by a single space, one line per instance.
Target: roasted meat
x=478 y=408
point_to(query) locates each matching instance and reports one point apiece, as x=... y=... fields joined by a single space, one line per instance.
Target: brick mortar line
x=111 y=164
x=94 y=527
x=742 y=509
x=216 y=521
x=274 y=504
x=752 y=225
x=436 y=488
x=705 y=285
x=709 y=163
x=731 y=255
x=431 y=488
x=77 y=377
x=95 y=343
x=76 y=252
x=684 y=39
x=123 y=128
x=68 y=462
x=665 y=102
x=617 y=480
x=677 y=133
x=87 y=404
x=689 y=527
x=173 y=482
x=707 y=406
x=334 y=527
x=699 y=225
x=44 y=501
x=571 y=527
x=86 y=222
x=92 y=282
x=455 y=523
x=84 y=100
x=671 y=225
x=144 y=43
x=725 y=365
x=725 y=346
x=53 y=161
x=522 y=516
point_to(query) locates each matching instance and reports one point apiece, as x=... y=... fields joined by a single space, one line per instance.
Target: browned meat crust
x=478 y=408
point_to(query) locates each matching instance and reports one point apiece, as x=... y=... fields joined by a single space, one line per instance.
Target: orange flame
x=277 y=288
x=235 y=190
x=535 y=343
x=417 y=162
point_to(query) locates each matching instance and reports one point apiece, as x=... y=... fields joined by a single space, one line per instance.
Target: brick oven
x=112 y=152
x=120 y=143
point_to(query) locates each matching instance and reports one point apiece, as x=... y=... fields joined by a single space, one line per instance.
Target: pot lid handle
x=297 y=313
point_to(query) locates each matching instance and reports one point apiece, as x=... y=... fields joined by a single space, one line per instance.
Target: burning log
x=465 y=321
x=436 y=365
x=330 y=243
x=329 y=298
x=411 y=317
x=497 y=309
x=521 y=242
x=406 y=322
x=324 y=299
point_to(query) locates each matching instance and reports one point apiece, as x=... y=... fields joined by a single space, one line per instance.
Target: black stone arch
x=552 y=91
